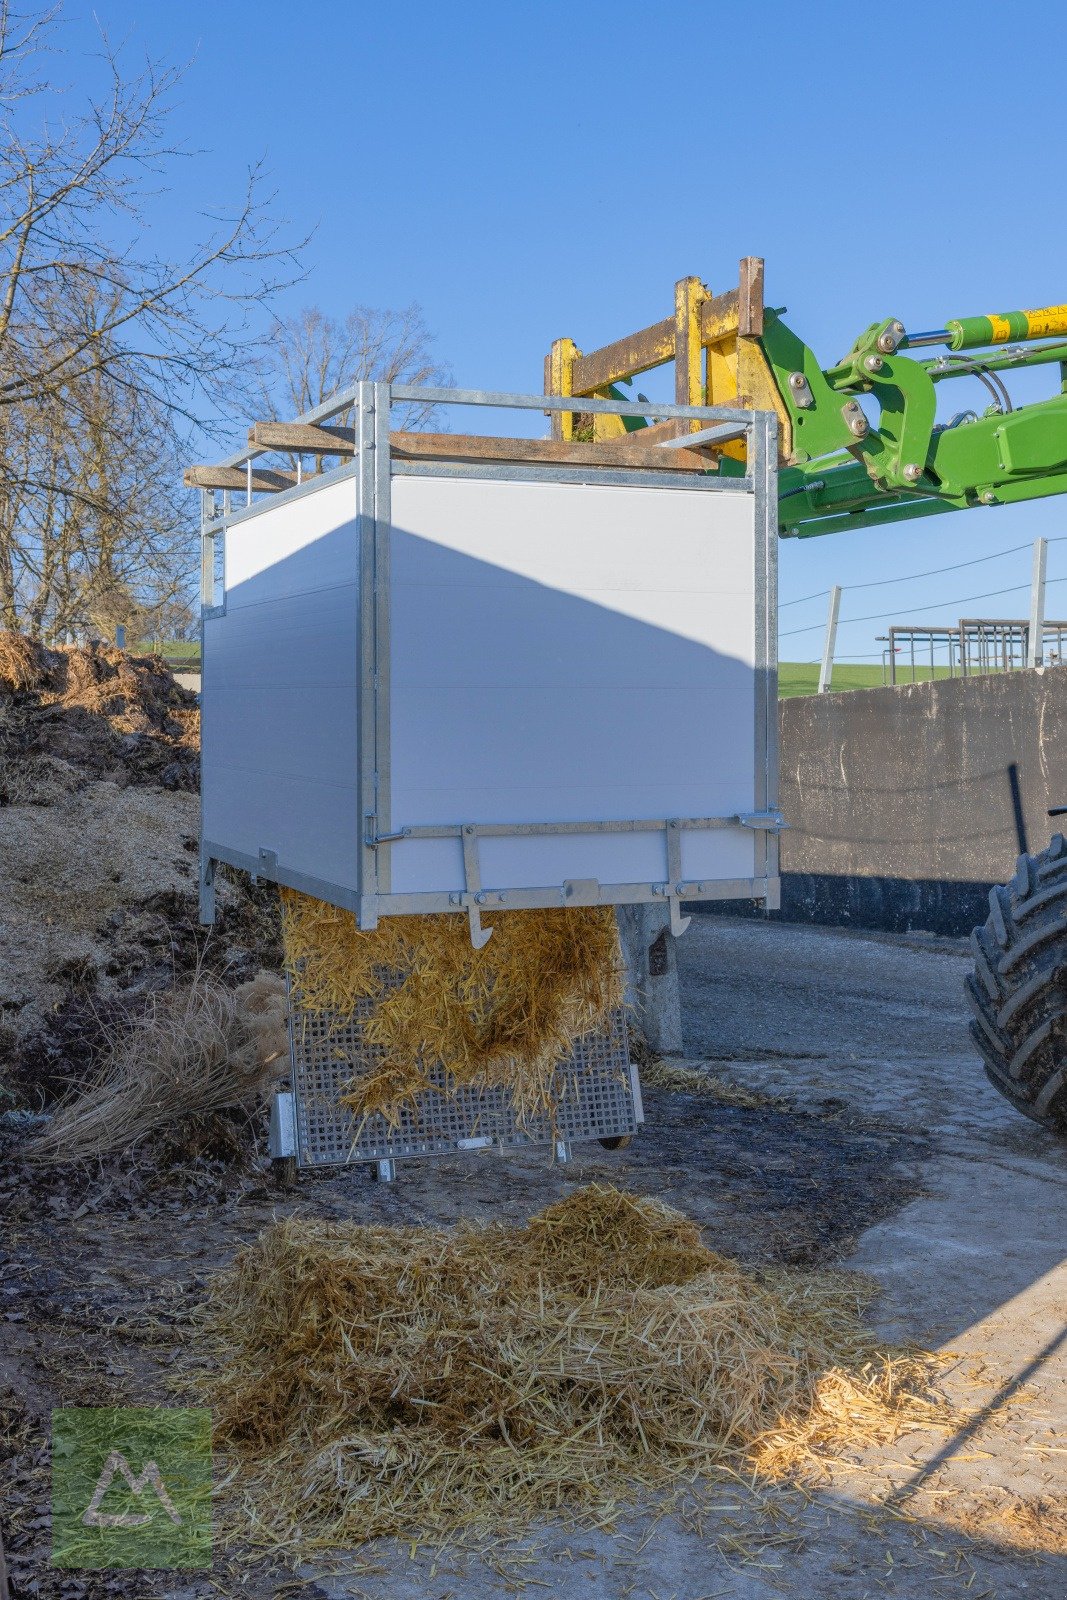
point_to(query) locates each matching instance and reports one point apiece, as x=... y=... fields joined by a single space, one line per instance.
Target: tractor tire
x=1018 y=990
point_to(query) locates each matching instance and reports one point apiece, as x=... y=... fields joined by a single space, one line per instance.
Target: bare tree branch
x=110 y=354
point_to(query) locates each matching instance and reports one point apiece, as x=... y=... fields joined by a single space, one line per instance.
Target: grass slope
x=802 y=677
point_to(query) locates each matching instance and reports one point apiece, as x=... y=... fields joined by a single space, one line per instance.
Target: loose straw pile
x=373 y=1381
x=503 y=1016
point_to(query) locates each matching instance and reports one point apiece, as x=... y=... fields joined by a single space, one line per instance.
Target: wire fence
x=970 y=644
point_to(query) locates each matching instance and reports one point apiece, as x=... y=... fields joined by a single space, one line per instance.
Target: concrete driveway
x=866 y=1037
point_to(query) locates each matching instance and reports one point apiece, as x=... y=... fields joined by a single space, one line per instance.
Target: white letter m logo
x=116 y=1462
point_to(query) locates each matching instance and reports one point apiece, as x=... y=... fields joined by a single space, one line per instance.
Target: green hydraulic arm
x=860 y=443
x=845 y=471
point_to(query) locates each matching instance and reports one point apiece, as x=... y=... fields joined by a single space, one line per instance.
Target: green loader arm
x=846 y=473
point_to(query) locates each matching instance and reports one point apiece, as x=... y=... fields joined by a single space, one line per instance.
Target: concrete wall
x=900 y=802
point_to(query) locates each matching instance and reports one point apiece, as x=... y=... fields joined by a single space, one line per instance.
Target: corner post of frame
x=206 y=909
x=763 y=467
x=383 y=541
x=366 y=819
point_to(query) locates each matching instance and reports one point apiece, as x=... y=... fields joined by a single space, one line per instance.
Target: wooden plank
x=650 y=347
x=203 y=477
x=610 y=453
x=303 y=438
x=656 y=433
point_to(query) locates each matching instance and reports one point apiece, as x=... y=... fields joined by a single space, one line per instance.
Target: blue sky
x=531 y=170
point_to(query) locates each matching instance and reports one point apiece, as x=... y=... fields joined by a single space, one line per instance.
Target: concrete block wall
x=899 y=799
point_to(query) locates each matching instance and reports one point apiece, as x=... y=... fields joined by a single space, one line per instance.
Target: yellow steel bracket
x=715 y=342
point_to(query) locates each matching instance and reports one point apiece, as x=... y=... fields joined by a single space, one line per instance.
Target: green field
x=794 y=677
x=802 y=677
x=172 y=649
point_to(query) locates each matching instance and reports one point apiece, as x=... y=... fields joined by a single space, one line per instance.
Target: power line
x=878 y=583
x=940 y=605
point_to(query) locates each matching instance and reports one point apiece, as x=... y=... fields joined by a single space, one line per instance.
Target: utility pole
x=1035 y=638
x=827 y=669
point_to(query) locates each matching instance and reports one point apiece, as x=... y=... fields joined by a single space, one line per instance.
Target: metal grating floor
x=597 y=1097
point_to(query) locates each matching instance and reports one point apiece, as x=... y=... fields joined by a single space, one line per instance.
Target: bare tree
x=107 y=351
x=313 y=355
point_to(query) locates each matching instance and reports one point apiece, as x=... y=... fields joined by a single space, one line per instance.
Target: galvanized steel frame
x=373 y=470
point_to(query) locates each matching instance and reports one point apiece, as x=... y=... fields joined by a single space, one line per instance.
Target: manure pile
x=76 y=714
x=371 y=1381
x=500 y=1017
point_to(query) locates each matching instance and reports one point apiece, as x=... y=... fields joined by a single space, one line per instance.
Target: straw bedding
x=502 y=1016
x=371 y=1381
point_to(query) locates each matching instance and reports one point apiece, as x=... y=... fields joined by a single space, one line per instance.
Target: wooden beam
x=650 y=347
x=237 y=478
x=303 y=438
x=610 y=453
x=656 y=432
x=639 y=449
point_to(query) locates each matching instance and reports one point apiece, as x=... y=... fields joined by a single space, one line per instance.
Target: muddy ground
x=873 y=1141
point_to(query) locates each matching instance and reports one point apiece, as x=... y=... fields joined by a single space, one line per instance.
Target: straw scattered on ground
x=199 y=1048
x=1035 y=1523
x=682 y=1077
x=375 y=1381
x=503 y=1016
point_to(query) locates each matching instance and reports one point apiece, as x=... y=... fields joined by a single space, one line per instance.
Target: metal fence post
x=827 y=668
x=1036 y=641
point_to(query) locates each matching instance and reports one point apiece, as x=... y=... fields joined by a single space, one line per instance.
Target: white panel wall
x=570 y=652
x=280 y=688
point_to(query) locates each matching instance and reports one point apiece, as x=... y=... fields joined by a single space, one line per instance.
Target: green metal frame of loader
x=840 y=470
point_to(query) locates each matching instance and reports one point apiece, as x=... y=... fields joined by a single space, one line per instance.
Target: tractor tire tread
x=1018 y=988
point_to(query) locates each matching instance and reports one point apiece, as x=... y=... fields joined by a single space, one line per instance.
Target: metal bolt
x=797 y=380
x=913 y=472
x=988 y=498
x=854 y=417
x=898 y=329
x=874 y=363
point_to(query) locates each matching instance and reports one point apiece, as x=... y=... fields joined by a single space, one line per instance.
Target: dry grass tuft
x=373 y=1381
x=198 y=1049
x=504 y=1016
